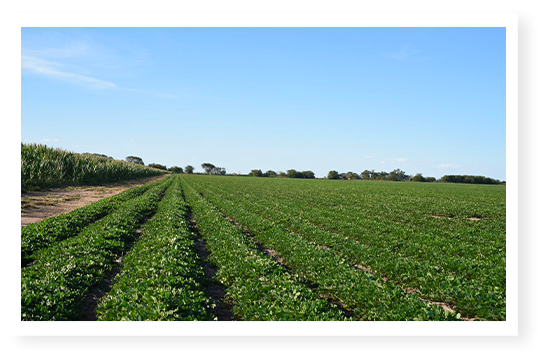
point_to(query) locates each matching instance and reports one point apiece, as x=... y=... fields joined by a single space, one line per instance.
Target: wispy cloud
x=407 y=52
x=72 y=50
x=59 y=63
x=369 y=157
x=394 y=160
x=449 y=165
x=51 y=70
x=55 y=70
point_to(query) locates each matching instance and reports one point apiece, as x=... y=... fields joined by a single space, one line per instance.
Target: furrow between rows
x=54 y=286
x=431 y=284
x=372 y=300
x=257 y=287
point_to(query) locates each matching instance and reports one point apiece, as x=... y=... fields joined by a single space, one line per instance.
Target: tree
x=397 y=175
x=474 y=179
x=218 y=171
x=208 y=167
x=418 y=178
x=333 y=175
x=157 y=166
x=366 y=174
x=282 y=174
x=134 y=159
x=270 y=173
x=189 y=169
x=293 y=173
x=382 y=175
x=308 y=174
x=352 y=175
x=431 y=179
x=176 y=169
x=256 y=173
x=98 y=155
x=344 y=176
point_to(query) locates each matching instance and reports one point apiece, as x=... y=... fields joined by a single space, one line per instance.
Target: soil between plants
x=39 y=205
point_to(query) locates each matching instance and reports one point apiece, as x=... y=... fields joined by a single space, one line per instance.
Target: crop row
x=368 y=297
x=42 y=234
x=474 y=288
x=54 y=286
x=384 y=211
x=161 y=277
x=258 y=288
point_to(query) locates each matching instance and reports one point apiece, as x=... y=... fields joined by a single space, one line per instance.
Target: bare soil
x=39 y=205
x=91 y=301
x=215 y=290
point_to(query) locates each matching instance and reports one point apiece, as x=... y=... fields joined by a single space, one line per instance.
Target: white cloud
x=369 y=157
x=61 y=63
x=394 y=160
x=449 y=165
x=48 y=68
x=74 y=49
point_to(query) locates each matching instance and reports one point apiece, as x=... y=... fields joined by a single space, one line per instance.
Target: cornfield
x=42 y=166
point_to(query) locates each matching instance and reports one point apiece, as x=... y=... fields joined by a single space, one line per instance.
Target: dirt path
x=39 y=205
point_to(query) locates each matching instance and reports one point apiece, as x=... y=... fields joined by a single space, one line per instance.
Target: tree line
x=473 y=179
x=291 y=173
x=396 y=175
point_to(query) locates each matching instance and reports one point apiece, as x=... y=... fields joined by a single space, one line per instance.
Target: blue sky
x=429 y=100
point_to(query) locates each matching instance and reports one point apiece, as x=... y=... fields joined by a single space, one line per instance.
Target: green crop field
x=198 y=247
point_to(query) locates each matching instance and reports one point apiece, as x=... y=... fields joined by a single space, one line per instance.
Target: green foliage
x=270 y=174
x=175 y=169
x=474 y=179
x=352 y=176
x=208 y=167
x=367 y=296
x=293 y=173
x=42 y=234
x=256 y=173
x=257 y=287
x=377 y=249
x=446 y=242
x=42 y=166
x=333 y=175
x=308 y=174
x=418 y=178
x=189 y=169
x=54 y=286
x=366 y=174
x=219 y=171
x=398 y=175
x=161 y=277
x=134 y=159
x=212 y=169
x=98 y=155
x=157 y=166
